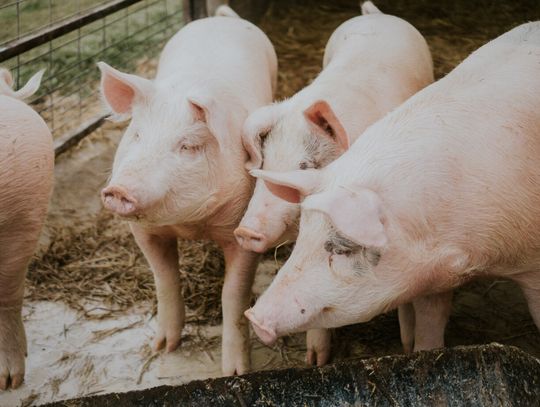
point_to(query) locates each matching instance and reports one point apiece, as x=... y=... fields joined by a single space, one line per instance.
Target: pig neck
x=221 y=217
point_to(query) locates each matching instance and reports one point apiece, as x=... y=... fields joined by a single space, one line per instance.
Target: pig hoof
x=12 y=350
x=317 y=358
x=235 y=359
x=168 y=342
x=318 y=343
x=230 y=368
x=408 y=348
x=11 y=368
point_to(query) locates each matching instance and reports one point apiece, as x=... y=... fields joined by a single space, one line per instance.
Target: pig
x=179 y=168
x=372 y=64
x=442 y=190
x=26 y=179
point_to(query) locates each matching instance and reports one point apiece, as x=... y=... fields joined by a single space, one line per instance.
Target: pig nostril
x=302 y=311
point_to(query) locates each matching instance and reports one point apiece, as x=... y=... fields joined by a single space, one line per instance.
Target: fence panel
x=67 y=38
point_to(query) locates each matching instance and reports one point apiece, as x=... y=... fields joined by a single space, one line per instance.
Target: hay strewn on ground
x=92 y=259
x=100 y=263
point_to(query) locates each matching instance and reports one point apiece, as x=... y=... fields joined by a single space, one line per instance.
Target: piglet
x=372 y=64
x=443 y=189
x=179 y=169
x=26 y=179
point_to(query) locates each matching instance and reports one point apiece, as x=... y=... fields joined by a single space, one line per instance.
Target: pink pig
x=372 y=64
x=26 y=179
x=443 y=189
x=179 y=169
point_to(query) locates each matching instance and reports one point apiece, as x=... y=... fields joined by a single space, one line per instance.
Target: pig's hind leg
x=240 y=266
x=16 y=249
x=530 y=284
x=318 y=344
x=431 y=316
x=162 y=255
x=406 y=319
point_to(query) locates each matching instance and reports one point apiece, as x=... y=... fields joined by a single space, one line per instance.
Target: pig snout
x=266 y=334
x=118 y=200
x=251 y=240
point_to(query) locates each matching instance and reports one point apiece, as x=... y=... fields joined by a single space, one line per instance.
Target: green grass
x=121 y=39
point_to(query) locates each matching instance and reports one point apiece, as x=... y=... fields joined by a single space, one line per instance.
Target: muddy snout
x=251 y=240
x=117 y=199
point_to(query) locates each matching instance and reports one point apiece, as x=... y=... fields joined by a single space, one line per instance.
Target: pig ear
x=207 y=111
x=121 y=90
x=255 y=129
x=356 y=214
x=290 y=186
x=31 y=87
x=323 y=119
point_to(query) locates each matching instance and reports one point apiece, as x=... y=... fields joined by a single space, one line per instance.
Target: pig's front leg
x=406 y=326
x=240 y=266
x=162 y=255
x=431 y=316
x=318 y=346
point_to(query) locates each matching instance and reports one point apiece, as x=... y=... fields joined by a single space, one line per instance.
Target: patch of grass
x=68 y=95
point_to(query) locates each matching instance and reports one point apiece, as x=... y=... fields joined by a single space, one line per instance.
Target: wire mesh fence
x=68 y=37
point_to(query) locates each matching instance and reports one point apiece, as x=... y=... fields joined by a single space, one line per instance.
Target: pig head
x=175 y=161
x=296 y=139
x=342 y=236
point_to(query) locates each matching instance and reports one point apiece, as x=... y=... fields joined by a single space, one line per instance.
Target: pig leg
x=318 y=346
x=16 y=249
x=406 y=326
x=162 y=255
x=530 y=284
x=431 y=316
x=240 y=266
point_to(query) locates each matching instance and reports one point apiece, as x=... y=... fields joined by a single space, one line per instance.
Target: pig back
x=458 y=162
x=26 y=163
x=389 y=42
x=224 y=50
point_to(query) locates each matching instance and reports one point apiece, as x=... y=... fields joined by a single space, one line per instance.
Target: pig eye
x=189 y=148
x=304 y=165
x=332 y=248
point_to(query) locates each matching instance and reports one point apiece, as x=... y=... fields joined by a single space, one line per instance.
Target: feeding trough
x=489 y=375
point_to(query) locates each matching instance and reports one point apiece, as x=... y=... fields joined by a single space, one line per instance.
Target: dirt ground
x=90 y=309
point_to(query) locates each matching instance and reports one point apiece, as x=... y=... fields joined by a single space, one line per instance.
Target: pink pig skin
x=26 y=179
x=179 y=169
x=443 y=189
x=372 y=64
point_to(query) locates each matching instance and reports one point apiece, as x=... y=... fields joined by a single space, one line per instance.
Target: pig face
x=277 y=139
x=166 y=168
x=332 y=277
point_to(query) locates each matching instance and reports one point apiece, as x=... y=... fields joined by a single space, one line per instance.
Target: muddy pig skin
x=179 y=171
x=443 y=189
x=372 y=64
x=26 y=179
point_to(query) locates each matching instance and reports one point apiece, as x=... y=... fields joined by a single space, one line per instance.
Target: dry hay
x=97 y=262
